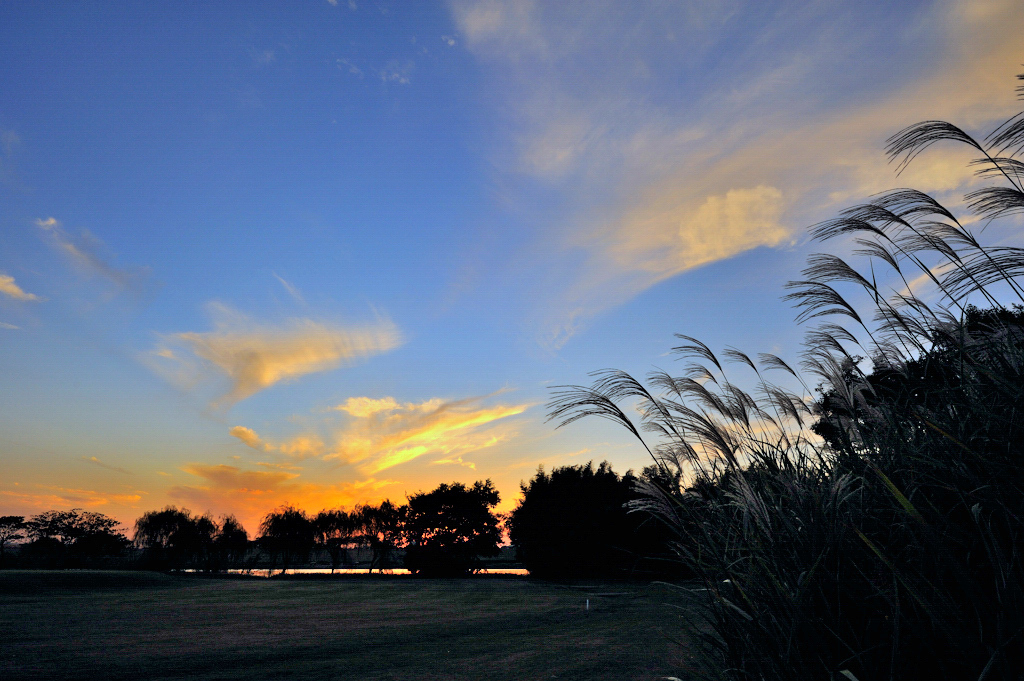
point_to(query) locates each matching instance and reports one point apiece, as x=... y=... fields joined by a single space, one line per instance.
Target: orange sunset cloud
x=251 y=494
x=384 y=433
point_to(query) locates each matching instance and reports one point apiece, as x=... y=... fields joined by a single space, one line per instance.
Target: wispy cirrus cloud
x=252 y=357
x=455 y=461
x=291 y=288
x=102 y=464
x=46 y=497
x=381 y=433
x=669 y=160
x=9 y=143
x=86 y=253
x=9 y=288
x=384 y=433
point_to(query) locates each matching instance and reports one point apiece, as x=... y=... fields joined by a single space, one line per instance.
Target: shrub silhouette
x=574 y=524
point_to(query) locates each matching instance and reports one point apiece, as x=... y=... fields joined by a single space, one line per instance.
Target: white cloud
x=9 y=288
x=263 y=57
x=396 y=72
x=345 y=64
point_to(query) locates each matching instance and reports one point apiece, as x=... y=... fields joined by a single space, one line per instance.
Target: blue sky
x=326 y=252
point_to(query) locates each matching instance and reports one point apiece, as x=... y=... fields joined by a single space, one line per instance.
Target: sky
x=333 y=251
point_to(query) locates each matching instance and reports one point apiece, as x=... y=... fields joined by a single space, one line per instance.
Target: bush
x=573 y=524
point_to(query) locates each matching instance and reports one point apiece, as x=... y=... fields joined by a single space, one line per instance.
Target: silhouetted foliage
x=100 y=544
x=966 y=365
x=335 y=531
x=44 y=552
x=380 y=529
x=230 y=544
x=67 y=527
x=574 y=523
x=68 y=537
x=174 y=538
x=448 y=529
x=12 y=529
x=888 y=548
x=287 y=534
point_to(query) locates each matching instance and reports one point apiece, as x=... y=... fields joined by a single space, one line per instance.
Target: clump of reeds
x=871 y=528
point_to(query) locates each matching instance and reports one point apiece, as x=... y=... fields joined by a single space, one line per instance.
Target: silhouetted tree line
x=62 y=538
x=444 y=532
x=572 y=523
x=173 y=538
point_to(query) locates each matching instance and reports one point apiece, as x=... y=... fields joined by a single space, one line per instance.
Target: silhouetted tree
x=448 y=529
x=380 y=529
x=231 y=542
x=76 y=533
x=335 y=531
x=100 y=545
x=12 y=528
x=69 y=526
x=574 y=523
x=174 y=538
x=288 y=534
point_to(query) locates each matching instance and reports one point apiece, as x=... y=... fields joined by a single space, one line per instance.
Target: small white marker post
x=588 y=605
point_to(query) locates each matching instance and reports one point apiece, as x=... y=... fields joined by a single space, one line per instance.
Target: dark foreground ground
x=117 y=625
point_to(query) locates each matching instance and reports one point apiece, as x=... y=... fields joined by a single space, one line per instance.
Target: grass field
x=115 y=625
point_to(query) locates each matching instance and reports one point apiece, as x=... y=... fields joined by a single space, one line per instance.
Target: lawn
x=115 y=625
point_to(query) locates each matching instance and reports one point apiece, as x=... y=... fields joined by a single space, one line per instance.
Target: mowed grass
x=115 y=625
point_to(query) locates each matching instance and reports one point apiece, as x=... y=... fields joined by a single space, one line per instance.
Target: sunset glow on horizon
x=327 y=253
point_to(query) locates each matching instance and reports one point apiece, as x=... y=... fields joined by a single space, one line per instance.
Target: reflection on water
x=360 y=571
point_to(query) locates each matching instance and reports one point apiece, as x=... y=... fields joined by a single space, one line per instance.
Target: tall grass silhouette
x=869 y=527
